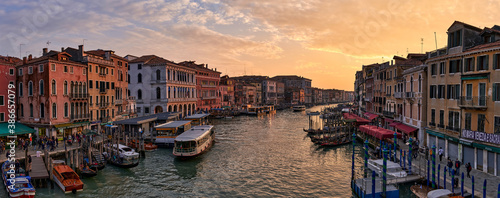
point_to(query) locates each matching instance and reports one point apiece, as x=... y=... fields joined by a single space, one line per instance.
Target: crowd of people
x=41 y=143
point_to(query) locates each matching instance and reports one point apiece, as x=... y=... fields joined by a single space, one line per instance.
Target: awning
x=405 y=128
x=388 y=120
x=371 y=116
x=378 y=132
x=350 y=116
x=394 y=124
x=19 y=129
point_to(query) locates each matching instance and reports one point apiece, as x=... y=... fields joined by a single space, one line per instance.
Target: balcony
x=76 y=117
x=102 y=74
x=388 y=114
x=103 y=104
x=75 y=96
x=398 y=95
x=118 y=102
x=474 y=102
x=208 y=85
x=212 y=97
x=451 y=128
x=103 y=91
x=97 y=60
x=410 y=95
x=182 y=99
x=158 y=81
x=387 y=95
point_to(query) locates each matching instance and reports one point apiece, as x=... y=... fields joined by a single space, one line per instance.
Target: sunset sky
x=324 y=40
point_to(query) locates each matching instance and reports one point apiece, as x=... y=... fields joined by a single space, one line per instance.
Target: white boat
x=393 y=169
x=194 y=142
x=299 y=108
x=439 y=193
x=126 y=157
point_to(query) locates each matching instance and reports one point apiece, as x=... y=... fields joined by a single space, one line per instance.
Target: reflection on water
x=266 y=156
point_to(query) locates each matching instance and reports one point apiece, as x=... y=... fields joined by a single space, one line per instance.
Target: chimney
x=392 y=62
x=24 y=60
x=62 y=49
x=80 y=53
x=30 y=57
x=107 y=54
x=44 y=51
x=206 y=65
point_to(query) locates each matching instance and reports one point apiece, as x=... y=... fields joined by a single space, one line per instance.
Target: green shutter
x=487 y=61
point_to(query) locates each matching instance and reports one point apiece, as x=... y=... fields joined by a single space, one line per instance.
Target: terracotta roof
x=103 y=52
x=9 y=60
x=151 y=59
x=192 y=64
x=484 y=46
x=489 y=30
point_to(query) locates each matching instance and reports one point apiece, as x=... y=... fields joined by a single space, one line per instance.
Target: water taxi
x=198 y=119
x=66 y=178
x=194 y=142
x=125 y=157
x=393 y=169
x=167 y=132
x=269 y=109
x=22 y=183
x=299 y=108
x=257 y=110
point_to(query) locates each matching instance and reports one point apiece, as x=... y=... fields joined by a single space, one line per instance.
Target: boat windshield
x=69 y=175
x=126 y=149
x=185 y=145
x=21 y=185
x=395 y=169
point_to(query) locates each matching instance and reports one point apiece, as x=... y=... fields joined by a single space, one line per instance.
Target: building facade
x=207 y=86
x=8 y=76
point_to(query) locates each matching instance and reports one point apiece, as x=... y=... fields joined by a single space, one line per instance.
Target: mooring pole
x=409 y=157
x=384 y=174
x=433 y=166
x=438 y=171
x=366 y=157
x=462 y=186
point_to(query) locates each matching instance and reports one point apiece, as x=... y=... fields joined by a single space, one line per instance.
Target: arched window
x=65 y=109
x=411 y=84
x=128 y=92
x=54 y=110
x=54 y=87
x=65 y=88
x=31 y=110
x=41 y=87
x=42 y=110
x=158 y=93
x=30 y=88
x=139 y=78
x=158 y=74
x=139 y=94
x=168 y=74
x=20 y=89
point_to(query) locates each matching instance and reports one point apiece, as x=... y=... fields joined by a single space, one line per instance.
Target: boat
x=393 y=169
x=66 y=178
x=258 y=111
x=167 y=132
x=88 y=173
x=123 y=157
x=299 y=108
x=194 y=142
x=147 y=146
x=269 y=109
x=198 y=119
x=98 y=161
x=22 y=187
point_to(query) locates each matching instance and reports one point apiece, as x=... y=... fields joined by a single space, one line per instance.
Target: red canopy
x=370 y=116
x=354 y=116
x=378 y=132
x=394 y=124
x=405 y=128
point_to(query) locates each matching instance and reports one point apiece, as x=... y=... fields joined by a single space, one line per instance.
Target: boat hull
x=125 y=165
x=68 y=189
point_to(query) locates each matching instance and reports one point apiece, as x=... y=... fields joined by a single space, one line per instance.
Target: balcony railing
x=211 y=97
x=398 y=95
x=74 y=117
x=103 y=91
x=479 y=102
x=102 y=74
x=208 y=85
x=97 y=60
x=118 y=102
x=78 y=95
x=103 y=104
x=451 y=128
x=409 y=94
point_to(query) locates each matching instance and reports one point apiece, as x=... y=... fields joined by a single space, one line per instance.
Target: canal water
x=266 y=156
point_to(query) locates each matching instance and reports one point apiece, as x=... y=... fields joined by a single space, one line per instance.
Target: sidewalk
x=20 y=154
x=479 y=176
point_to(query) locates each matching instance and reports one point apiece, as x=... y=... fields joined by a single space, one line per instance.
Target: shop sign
x=481 y=136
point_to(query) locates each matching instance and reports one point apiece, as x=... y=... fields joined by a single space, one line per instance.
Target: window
x=41 y=87
x=158 y=74
x=482 y=62
x=158 y=93
x=441 y=118
x=31 y=110
x=11 y=71
x=139 y=78
x=433 y=116
x=496 y=63
x=139 y=66
x=65 y=69
x=30 y=70
x=146 y=109
x=42 y=110
x=90 y=84
x=468 y=92
x=112 y=85
x=138 y=109
x=90 y=68
x=54 y=110
x=442 y=69
x=71 y=69
x=433 y=69
x=90 y=101
x=20 y=72
x=30 y=88
x=84 y=71
x=455 y=66
x=480 y=122
x=496 y=91
x=40 y=68
x=20 y=89
x=112 y=72
x=107 y=85
x=66 y=109
x=139 y=94
x=2 y=102
x=469 y=64
x=21 y=109
x=2 y=117
x=96 y=84
x=96 y=69
x=65 y=91
x=54 y=87
x=53 y=67
x=454 y=120
x=497 y=125
x=455 y=38
x=441 y=91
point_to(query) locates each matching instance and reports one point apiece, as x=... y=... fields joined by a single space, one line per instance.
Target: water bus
x=194 y=142
x=198 y=119
x=167 y=132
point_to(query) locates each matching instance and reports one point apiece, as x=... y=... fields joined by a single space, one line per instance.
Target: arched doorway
x=185 y=110
x=158 y=109
x=175 y=108
x=169 y=108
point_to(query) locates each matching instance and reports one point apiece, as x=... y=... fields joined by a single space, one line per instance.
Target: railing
x=102 y=74
x=74 y=117
x=158 y=81
x=103 y=105
x=388 y=95
x=208 y=85
x=398 y=95
x=183 y=99
x=209 y=97
x=473 y=101
x=118 y=102
x=131 y=98
x=97 y=60
x=103 y=91
x=451 y=128
x=79 y=95
x=409 y=94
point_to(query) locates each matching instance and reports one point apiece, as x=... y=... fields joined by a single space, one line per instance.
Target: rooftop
x=149 y=118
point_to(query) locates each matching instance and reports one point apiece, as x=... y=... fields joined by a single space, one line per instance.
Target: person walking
x=469 y=168
x=450 y=166
x=440 y=153
x=457 y=166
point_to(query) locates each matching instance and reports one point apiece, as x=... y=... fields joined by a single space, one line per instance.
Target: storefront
x=448 y=143
x=482 y=150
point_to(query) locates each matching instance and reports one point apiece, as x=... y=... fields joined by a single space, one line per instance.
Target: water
x=252 y=157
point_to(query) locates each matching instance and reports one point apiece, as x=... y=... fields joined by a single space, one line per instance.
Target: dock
x=363 y=188
x=38 y=174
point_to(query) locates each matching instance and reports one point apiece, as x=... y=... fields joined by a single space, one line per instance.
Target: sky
x=326 y=41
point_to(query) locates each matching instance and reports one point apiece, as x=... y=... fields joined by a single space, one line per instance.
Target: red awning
x=354 y=116
x=371 y=116
x=388 y=120
x=394 y=124
x=378 y=132
x=405 y=128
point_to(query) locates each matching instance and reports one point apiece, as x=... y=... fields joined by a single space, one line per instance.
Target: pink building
x=8 y=76
x=52 y=94
x=207 y=86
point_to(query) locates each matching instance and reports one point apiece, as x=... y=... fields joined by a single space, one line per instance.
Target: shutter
x=473 y=62
x=477 y=64
x=494 y=91
x=487 y=61
x=495 y=62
